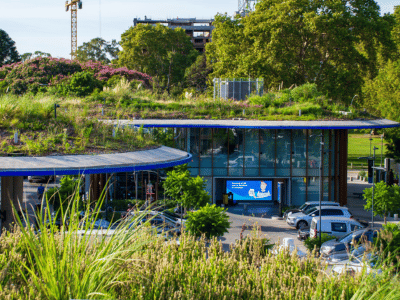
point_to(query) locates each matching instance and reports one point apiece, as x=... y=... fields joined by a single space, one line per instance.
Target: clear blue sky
x=45 y=26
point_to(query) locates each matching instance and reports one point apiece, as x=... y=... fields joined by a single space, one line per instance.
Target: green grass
x=359 y=146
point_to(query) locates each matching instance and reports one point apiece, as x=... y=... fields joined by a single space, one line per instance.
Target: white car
x=307 y=205
x=302 y=220
x=333 y=225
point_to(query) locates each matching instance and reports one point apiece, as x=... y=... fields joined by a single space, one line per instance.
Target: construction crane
x=246 y=6
x=74 y=5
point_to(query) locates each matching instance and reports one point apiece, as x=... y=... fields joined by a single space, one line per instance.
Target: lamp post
x=382 y=148
x=321 y=187
x=370 y=143
x=373 y=185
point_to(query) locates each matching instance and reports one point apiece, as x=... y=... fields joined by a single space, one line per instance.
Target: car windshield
x=310 y=210
x=348 y=237
x=303 y=207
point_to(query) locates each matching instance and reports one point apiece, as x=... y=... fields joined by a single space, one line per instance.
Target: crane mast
x=74 y=5
x=246 y=6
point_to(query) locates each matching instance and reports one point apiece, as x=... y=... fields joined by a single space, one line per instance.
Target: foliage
x=185 y=190
x=88 y=264
x=159 y=51
x=8 y=51
x=121 y=266
x=392 y=136
x=98 y=50
x=40 y=73
x=386 y=199
x=196 y=75
x=382 y=93
x=28 y=55
x=80 y=84
x=313 y=243
x=71 y=133
x=295 y=42
x=210 y=220
x=61 y=196
x=387 y=244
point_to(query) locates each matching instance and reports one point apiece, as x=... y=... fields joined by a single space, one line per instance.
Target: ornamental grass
x=76 y=261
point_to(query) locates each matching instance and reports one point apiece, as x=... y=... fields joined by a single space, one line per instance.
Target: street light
x=370 y=143
x=321 y=191
x=382 y=148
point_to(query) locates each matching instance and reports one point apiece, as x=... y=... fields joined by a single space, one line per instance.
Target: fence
x=237 y=89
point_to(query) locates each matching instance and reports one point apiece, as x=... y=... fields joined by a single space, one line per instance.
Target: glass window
x=314 y=152
x=220 y=152
x=206 y=148
x=267 y=152
x=298 y=191
x=252 y=152
x=180 y=134
x=354 y=227
x=299 y=153
x=338 y=227
x=236 y=154
x=327 y=152
x=194 y=146
x=312 y=189
x=283 y=153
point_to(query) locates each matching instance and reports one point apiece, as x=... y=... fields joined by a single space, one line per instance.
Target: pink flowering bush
x=37 y=74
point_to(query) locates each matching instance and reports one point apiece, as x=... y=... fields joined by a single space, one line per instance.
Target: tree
x=158 y=51
x=332 y=43
x=8 y=51
x=196 y=75
x=186 y=191
x=28 y=55
x=386 y=199
x=98 y=49
x=210 y=220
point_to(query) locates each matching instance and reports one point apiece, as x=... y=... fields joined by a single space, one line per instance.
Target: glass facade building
x=288 y=156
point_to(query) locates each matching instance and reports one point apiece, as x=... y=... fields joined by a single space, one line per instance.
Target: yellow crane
x=74 y=5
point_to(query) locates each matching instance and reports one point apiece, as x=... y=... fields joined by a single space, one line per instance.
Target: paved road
x=275 y=230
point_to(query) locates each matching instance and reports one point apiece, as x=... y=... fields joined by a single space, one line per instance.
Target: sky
x=45 y=26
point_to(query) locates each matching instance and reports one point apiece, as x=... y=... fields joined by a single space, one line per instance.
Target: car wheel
x=302 y=225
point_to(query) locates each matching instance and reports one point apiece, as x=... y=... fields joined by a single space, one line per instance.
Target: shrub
x=305 y=92
x=387 y=244
x=80 y=84
x=210 y=220
x=312 y=243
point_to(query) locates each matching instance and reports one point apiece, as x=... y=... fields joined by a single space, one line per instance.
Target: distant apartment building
x=198 y=30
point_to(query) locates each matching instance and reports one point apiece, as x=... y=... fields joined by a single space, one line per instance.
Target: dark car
x=43 y=179
x=344 y=244
x=303 y=234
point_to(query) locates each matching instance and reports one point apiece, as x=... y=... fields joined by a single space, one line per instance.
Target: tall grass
x=73 y=261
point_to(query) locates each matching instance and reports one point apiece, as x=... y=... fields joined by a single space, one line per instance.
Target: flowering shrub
x=35 y=75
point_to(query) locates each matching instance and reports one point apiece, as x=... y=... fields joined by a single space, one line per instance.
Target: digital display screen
x=250 y=190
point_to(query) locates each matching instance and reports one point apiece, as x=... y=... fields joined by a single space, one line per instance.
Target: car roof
x=333 y=207
x=323 y=202
x=333 y=218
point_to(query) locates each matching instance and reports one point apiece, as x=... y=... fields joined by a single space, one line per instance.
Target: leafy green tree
x=185 y=190
x=210 y=220
x=98 y=49
x=332 y=43
x=386 y=199
x=80 y=84
x=158 y=51
x=196 y=75
x=8 y=51
x=28 y=55
x=60 y=196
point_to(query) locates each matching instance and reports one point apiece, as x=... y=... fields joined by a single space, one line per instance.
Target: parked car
x=43 y=179
x=347 y=242
x=307 y=206
x=303 y=234
x=303 y=219
x=334 y=225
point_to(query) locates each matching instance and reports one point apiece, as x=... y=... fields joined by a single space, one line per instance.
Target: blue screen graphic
x=250 y=190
